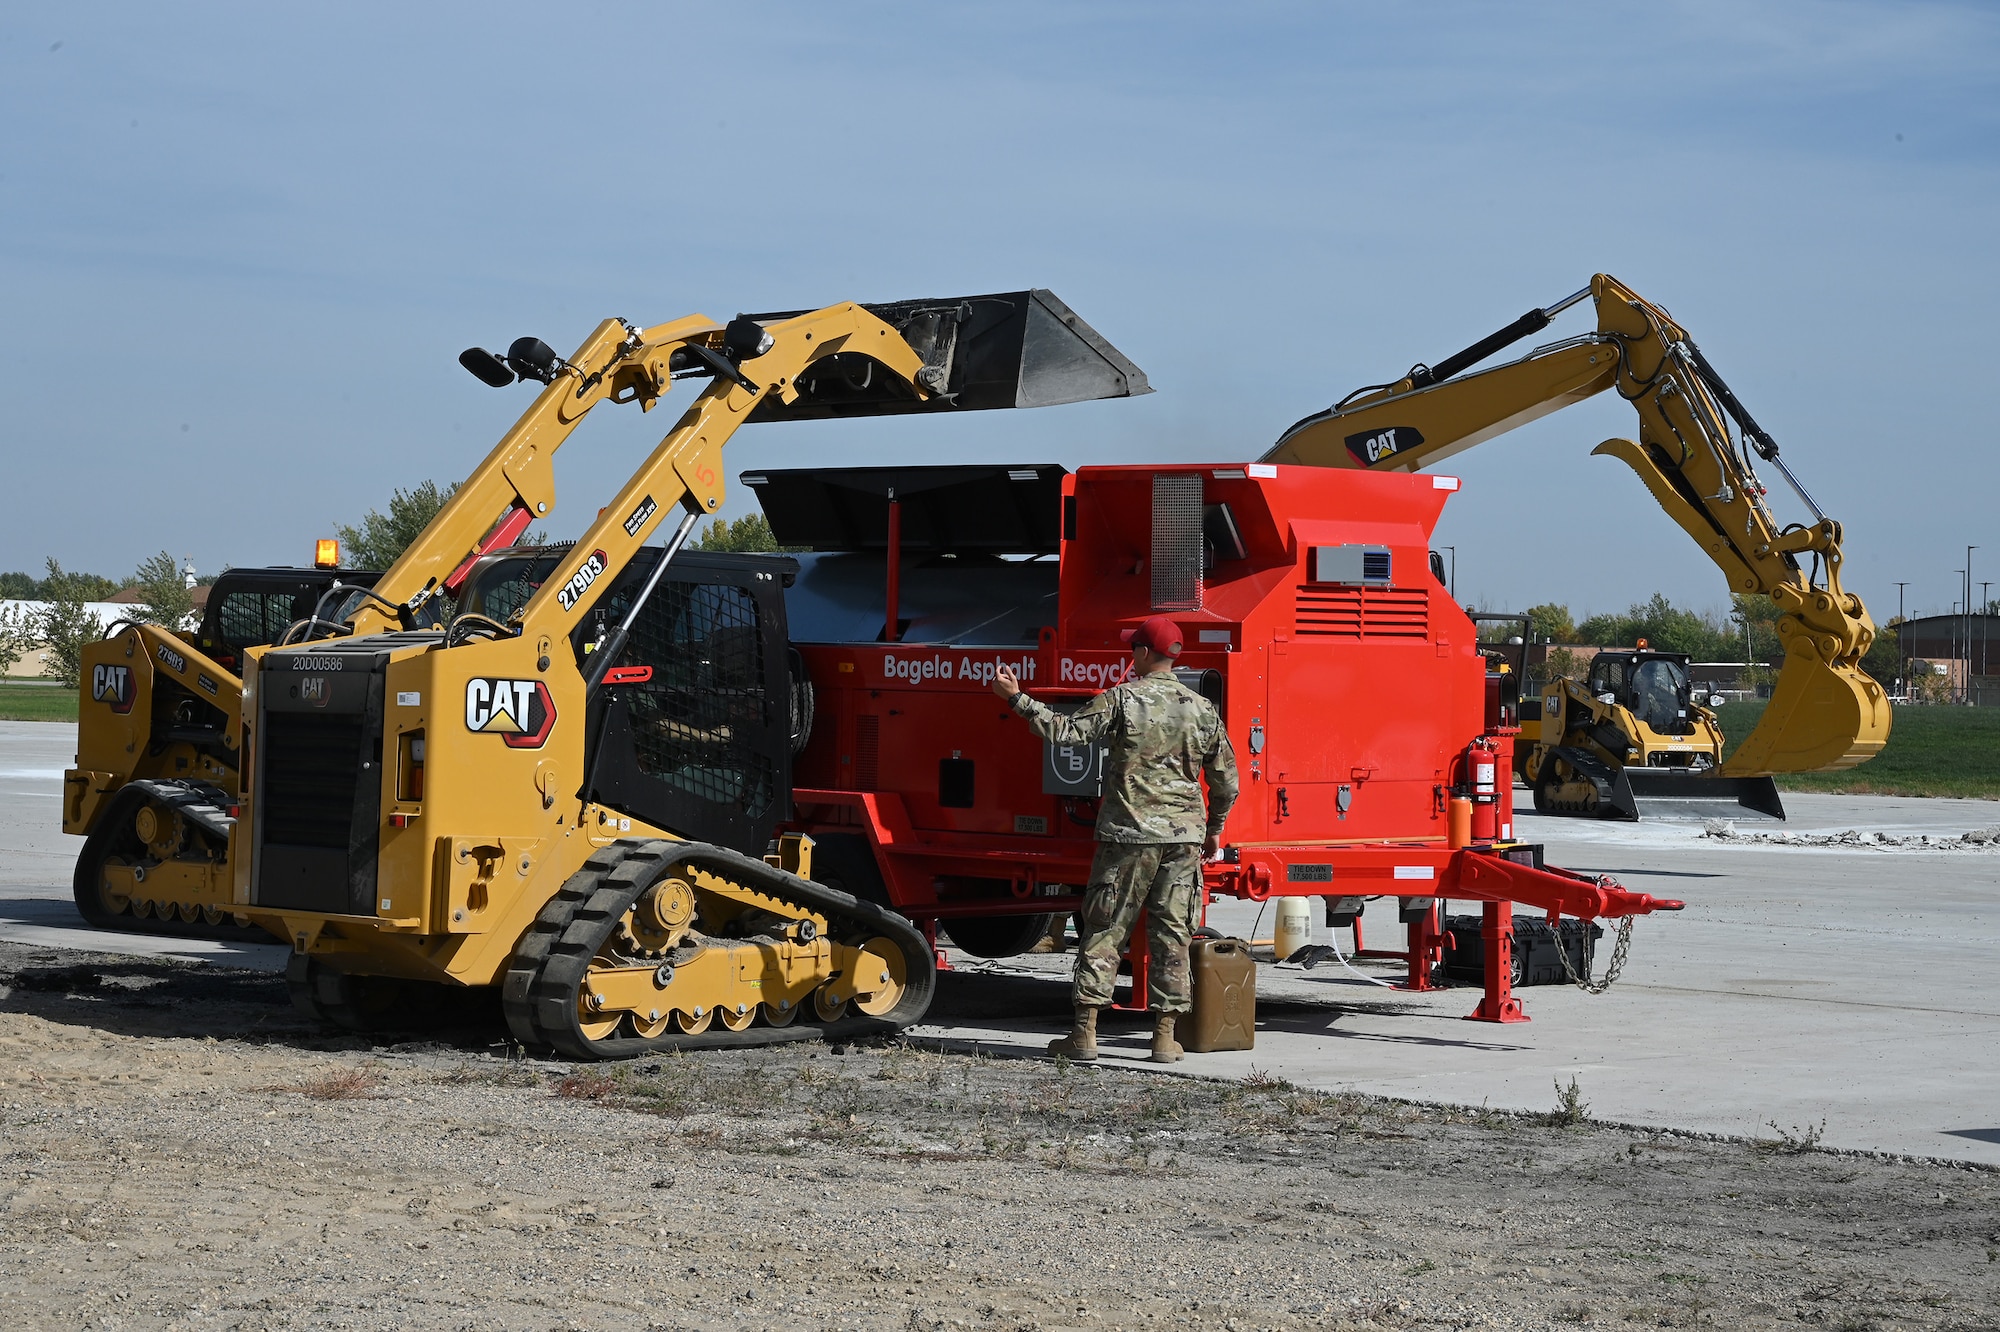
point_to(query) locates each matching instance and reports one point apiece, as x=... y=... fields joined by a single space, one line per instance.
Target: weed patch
x=1794 y=1141
x=588 y=1084
x=1571 y=1109
x=340 y=1084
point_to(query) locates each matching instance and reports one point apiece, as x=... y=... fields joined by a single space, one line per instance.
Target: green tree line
x=1748 y=632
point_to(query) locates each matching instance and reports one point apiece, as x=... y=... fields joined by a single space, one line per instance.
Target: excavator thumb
x=1007 y=349
x=1674 y=792
x=1822 y=717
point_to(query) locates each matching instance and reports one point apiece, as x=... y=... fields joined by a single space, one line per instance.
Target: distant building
x=1961 y=652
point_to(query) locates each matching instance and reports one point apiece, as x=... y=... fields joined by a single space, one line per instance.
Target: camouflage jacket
x=1164 y=738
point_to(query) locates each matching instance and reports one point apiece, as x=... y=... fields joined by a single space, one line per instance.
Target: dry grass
x=1795 y=1141
x=588 y=1084
x=1571 y=1109
x=338 y=1084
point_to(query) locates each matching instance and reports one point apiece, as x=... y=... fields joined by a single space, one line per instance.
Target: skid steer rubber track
x=1613 y=788
x=203 y=806
x=540 y=990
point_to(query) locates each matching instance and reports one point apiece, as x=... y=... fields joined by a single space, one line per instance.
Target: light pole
x=1902 y=661
x=1957 y=616
x=1967 y=698
x=1985 y=630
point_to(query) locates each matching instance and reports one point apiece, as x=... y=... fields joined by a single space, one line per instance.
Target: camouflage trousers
x=1162 y=879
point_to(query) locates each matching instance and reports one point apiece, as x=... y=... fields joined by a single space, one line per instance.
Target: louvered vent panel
x=867 y=752
x=1176 y=542
x=1363 y=612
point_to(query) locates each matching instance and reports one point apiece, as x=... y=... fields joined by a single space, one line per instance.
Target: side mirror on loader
x=527 y=358
x=490 y=369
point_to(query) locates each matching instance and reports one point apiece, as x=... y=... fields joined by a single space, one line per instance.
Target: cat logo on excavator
x=520 y=712
x=1374 y=446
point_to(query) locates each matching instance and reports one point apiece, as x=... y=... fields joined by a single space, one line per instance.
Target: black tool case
x=1535 y=958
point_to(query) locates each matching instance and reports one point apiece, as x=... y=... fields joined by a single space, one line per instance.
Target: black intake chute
x=980 y=353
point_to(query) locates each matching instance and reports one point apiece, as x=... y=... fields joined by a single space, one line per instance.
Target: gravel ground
x=182 y=1152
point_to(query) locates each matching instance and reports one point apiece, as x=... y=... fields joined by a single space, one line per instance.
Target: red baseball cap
x=1159 y=633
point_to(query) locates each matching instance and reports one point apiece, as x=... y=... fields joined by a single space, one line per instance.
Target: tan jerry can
x=1225 y=997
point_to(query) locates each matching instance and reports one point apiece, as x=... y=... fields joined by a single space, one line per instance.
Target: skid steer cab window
x=1607 y=676
x=1660 y=695
x=698 y=724
x=252 y=619
x=254 y=616
x=691 y=730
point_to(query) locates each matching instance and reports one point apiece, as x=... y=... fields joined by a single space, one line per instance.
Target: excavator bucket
x=1673 y=793
x=1821 y=718
x=1007 y=349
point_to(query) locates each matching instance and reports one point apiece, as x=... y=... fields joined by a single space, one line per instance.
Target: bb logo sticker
x=113 y=685
x=639 y=516
x=1378 y=446
x=572 y=592
x=520 y=712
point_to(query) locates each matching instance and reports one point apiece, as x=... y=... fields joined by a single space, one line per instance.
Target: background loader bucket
x=1821 y=718
x=1671 y=793
x=1008 y=349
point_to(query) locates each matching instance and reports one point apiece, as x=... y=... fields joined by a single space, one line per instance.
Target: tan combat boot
x=1166 y=1050
x=1053 y=940
x=1081 y=1043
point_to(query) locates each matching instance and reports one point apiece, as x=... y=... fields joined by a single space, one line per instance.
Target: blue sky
x=240 y=247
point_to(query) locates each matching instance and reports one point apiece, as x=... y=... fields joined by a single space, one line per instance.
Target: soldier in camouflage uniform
x=1152 y=828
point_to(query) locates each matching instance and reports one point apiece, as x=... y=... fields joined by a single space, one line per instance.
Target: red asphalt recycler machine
x=1373 y=742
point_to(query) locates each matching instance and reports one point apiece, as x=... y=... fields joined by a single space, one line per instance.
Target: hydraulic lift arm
x=686 y=468
x=515 y=484
x=1001 y=350
x=1825 y=713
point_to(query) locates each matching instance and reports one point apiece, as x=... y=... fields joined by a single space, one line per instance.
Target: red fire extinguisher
x=1482 y=770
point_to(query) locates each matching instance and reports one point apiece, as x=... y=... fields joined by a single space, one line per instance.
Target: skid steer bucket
x=1007 y=349
x=1672 y=793
x=1822 y=717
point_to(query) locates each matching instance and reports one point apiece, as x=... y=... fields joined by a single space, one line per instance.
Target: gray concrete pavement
x=1857 y=986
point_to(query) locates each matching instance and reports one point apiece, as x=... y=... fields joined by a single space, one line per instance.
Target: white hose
x=1333 y=938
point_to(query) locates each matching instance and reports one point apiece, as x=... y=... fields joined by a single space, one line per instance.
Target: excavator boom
x=1824 y=713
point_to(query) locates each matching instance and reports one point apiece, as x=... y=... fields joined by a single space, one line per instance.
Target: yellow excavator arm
x=1825 y=713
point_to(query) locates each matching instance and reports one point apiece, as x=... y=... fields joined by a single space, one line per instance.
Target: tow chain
x=1611 y=972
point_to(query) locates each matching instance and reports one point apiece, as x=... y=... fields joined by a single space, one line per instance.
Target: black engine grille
x=311 y=763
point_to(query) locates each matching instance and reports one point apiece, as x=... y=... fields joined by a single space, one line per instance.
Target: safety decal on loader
x=639 y=516
x=520 y=712
x=113 y=685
